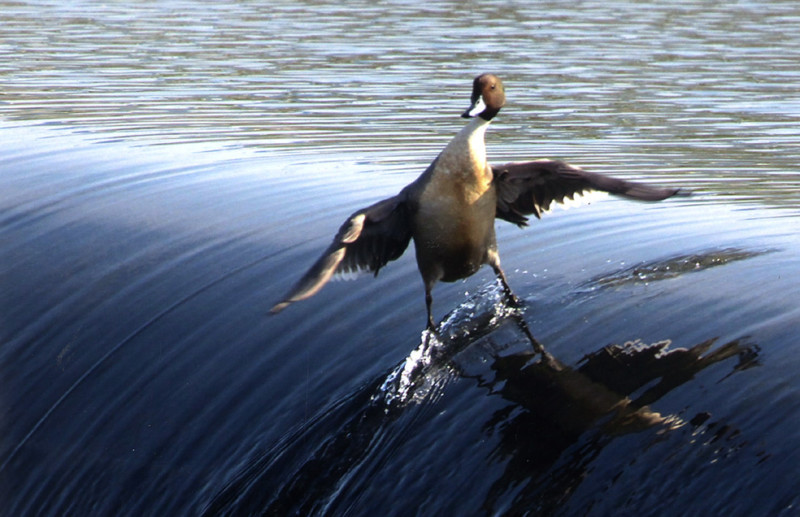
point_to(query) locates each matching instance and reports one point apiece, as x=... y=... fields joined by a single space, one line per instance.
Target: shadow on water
x=671 y=267
x=554 y=422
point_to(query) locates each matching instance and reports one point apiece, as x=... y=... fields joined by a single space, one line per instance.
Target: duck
x=449 y=211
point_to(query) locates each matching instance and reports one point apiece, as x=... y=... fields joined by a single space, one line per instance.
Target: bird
x=449 y=211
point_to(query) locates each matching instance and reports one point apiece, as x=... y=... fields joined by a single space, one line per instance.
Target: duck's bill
x=477 y=107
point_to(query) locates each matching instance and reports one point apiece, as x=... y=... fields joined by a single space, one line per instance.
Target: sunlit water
x=168 y=169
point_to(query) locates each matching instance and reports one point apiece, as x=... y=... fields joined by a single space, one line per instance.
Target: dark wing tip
x=642 y=192
x=649 y=193
x=682 y=192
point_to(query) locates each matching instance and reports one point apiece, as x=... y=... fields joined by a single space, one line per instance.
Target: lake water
x=168 y=169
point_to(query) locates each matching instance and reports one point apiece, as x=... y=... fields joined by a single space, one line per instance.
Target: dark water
x=168 y=169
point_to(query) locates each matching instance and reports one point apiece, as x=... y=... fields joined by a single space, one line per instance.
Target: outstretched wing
x=531 y=187
x=369 y=239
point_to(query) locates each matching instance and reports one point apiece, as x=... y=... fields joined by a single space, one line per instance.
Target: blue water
x=168 y=170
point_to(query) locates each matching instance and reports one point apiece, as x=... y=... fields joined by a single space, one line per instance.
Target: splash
x=423 y=375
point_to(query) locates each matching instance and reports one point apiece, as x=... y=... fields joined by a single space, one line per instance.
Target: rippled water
x=167 y=170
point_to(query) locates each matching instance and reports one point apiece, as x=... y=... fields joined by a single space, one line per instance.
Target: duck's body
x=450 y=210
x=453 y=224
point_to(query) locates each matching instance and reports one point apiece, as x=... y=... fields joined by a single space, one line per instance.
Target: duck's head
x=488 y=97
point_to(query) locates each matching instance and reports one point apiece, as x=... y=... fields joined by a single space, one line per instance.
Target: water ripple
x=169 y=168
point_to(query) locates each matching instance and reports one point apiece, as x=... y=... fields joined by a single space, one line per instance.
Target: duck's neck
x=473 y=134
x=466 y=152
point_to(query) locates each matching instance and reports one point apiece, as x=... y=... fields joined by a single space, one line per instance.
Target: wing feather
x=367 y=241
x=526 y=188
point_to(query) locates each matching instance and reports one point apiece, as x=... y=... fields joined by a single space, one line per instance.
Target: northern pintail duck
x=449 y=211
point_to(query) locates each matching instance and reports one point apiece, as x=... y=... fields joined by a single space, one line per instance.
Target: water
x=168 y=169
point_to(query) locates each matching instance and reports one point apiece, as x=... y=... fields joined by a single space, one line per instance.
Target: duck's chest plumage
x=456 y=207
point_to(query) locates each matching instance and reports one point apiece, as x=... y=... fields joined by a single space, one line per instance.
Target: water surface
x=168 y=169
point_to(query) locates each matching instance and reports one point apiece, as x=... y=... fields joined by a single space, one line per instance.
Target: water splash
x=428 y=368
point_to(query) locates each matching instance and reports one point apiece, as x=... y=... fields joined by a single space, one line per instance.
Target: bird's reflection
x=554 y=406
x=557 y=419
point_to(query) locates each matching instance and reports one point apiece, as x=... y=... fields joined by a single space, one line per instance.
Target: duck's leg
x=512 y=298
x=494 y=261
x=428 y=305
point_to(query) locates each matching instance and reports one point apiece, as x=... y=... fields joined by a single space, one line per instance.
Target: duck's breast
x=453 y=230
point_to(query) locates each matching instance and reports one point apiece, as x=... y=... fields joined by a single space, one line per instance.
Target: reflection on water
x=168 y=168
x=558 y=406
x=549 y=408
